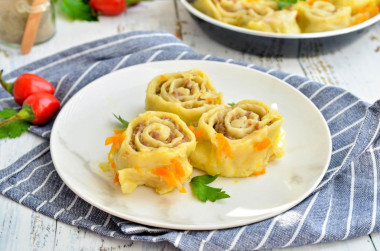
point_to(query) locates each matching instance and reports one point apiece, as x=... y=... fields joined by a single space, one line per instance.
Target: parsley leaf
x=285 y=3
x=204 y=192
x=122 y=121
x=12 y=129
x=79 y=9
x=7 y=113
x=231 y=104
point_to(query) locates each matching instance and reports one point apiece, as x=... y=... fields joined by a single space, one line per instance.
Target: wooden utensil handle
x=31 y=27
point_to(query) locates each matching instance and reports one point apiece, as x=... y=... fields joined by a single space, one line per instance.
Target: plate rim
x=303 y=36
x=237 y=223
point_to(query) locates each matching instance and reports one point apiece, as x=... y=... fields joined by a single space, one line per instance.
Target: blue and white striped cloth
x=345 y=204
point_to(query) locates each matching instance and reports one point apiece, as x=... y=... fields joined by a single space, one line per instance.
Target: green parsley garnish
x=231 y=104
x=285 y=3
x=205 y=193
x=123 y=122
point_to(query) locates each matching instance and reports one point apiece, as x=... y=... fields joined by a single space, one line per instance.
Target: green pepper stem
x=9 y=120
x=26 y=113
x=7 y=86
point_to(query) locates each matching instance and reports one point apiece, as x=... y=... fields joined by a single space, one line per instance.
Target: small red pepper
x=25 y=85
x=38 y=109
x=109 y=7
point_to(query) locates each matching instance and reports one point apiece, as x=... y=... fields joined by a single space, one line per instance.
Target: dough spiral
x=238 y=141
x=188 y=94
x=155 y=153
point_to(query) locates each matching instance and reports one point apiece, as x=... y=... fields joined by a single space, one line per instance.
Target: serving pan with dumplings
x=274 y=27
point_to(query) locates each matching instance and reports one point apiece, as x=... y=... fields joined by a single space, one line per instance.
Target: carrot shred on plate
x=171 y=174
x=223 y=146
x=263 y=144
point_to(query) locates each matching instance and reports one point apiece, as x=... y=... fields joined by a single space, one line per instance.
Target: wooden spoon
x=31 y=27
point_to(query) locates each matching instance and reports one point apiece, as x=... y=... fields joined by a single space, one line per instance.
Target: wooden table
x=355 y=67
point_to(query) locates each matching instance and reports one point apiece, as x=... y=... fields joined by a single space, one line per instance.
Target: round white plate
x=79 y=132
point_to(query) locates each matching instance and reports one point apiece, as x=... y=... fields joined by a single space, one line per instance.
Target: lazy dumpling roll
x=155 y=152
x=188 y=94
x=282 y=21
x=238 y=141
x=321 y=16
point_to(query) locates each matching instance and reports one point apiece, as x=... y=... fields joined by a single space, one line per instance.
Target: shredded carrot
x=116 y=179
x=210 y=100
x=113 y=165
x=163 y=78
x=369 y=11
x=116 y=141
x=171 y=174
x=374 y=11
x=226 y=106
x=262 y=145
x=223 y=146
x=259 y=172
x=197 y=132
x=311 y=2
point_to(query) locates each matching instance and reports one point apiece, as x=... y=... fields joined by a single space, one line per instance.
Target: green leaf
x=285 y=3
x=231 y=104
x=123 y=122
x=14 y=129
x=7 y=113
x=79 y=10
x=205 y=193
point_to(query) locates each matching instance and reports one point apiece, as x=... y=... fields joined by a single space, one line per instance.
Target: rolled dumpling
x=321 y=16
x=283 y=21
x=154 y=151
x=188 y=94
x=236 y=12
x=355 y=5
x=238 y=141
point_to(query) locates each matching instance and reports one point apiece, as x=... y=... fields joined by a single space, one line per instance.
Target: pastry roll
x=188 y=94
x=355 y=5
x=321 y=16
x=238 y=141
x=283 y=21
x=154 y=152
x=236 y=12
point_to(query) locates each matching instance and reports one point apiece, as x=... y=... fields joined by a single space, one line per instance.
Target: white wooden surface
x=355 y=67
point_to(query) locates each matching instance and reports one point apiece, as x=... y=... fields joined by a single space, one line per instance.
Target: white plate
x=79 y=132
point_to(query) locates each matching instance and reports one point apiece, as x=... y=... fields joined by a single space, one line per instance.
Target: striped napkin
x=344 y=205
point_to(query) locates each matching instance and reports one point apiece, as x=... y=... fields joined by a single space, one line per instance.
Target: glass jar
x=14 y=15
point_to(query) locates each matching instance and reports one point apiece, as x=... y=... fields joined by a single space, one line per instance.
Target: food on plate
x=238 y=141
x=152 y=151
x=283 y=21
x=322 y=16
x=290 y=16
x=188 y=94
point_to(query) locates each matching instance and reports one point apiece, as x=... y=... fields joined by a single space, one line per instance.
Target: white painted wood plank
x=362 y=243
x=71 y=238
x=354 y=67
x=23 y=229
x=376 y=240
